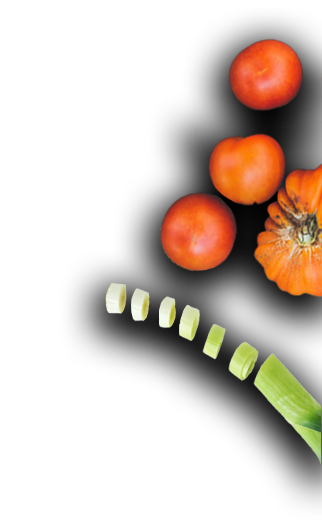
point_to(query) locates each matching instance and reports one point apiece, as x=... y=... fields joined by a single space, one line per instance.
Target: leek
x=116 y=298
x=140 y=305
x=189 y=322
x=167 y=312
x=290 y=399
x=214 y=341
x=243 y=361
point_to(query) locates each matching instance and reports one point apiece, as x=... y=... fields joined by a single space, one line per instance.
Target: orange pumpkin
x=290 y=250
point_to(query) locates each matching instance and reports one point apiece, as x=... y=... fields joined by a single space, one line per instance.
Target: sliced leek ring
x=189 y=322
x=214 y=341
x=140 y=305
x=243 y=361
x=116 y=298
x=167 y=312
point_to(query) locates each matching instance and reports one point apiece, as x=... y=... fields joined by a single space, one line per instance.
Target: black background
x=166 y=156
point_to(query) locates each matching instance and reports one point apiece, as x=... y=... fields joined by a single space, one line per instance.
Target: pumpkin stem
x=307 y=233
x=319 y=236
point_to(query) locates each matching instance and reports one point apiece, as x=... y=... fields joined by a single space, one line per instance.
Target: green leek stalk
x=290 y=399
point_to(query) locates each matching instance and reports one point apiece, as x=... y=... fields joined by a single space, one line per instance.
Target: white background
x=53 y=134
x=53 y=120
x=142 y=432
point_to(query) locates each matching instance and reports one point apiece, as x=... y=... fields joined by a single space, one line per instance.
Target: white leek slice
x=189 y=322
x=290 y=399
x=140 y=305
x=167 y=312
x=116 y=298
x=214 y=341
x=243 y=361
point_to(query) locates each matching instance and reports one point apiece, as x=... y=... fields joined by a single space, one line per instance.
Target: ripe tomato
x=198 y=231
x=266 y=75
x=247 y=170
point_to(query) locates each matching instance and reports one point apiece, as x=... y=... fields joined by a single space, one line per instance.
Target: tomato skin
x=247 y=170
x=198 y=231
x=266 y=75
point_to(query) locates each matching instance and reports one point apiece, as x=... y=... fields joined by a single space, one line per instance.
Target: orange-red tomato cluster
x=266 y=75
x=199 y=230
x=247 y=170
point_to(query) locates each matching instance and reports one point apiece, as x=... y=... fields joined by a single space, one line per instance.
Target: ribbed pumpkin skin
x=290 y=250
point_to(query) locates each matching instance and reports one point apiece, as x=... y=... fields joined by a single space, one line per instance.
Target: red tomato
x=266 y=75
x=247 y=170
x=198 y=231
